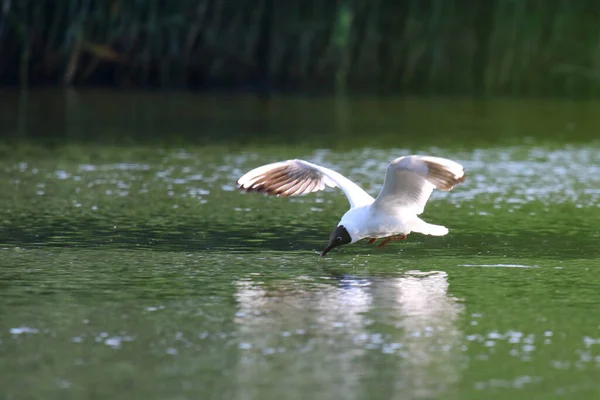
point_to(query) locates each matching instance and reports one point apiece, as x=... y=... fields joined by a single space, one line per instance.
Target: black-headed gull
x=409 y=182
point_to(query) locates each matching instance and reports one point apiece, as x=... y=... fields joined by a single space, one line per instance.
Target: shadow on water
x=289 y=239
x=95 y=116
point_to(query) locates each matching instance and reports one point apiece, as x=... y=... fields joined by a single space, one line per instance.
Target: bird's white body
x=408 y=184
x=369 y=222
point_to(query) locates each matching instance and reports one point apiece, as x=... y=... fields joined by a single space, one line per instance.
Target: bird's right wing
x=410 y=180
x=297 y=177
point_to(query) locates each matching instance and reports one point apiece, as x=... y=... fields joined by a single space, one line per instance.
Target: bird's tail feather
x=425 y=228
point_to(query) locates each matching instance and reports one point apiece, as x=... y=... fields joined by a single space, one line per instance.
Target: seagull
x=408 y=184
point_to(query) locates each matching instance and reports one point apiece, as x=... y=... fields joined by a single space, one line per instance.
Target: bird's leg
x=389 y=239
x=386 y=241
x=372 y=240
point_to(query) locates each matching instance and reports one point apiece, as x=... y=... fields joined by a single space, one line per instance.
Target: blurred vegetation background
x=462 y=47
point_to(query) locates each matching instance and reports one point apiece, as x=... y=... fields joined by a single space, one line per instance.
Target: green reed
x=500 y=47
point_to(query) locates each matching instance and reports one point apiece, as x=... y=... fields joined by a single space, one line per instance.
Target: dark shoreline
x=468 y=48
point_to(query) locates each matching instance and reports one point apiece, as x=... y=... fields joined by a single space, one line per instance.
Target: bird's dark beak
x=326 y=250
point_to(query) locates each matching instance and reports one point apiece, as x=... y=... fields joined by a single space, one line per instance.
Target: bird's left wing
x=297 y=177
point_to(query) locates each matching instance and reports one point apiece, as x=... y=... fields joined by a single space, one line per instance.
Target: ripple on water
x=23 y=330
x=499 y=265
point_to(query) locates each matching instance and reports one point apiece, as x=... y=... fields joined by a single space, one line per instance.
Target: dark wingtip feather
x=289 y=179
x=442 y=177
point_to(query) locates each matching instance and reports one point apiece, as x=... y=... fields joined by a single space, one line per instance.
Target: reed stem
x=499 y=47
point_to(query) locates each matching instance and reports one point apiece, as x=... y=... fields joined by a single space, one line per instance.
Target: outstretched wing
x=410 y=180
x=297 y=177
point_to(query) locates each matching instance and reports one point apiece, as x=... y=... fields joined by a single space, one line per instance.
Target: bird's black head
x=338 y=237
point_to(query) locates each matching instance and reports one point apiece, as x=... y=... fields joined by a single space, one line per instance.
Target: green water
x=130 y=266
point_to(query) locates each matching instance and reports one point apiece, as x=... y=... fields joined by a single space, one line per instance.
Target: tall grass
x=498 y=47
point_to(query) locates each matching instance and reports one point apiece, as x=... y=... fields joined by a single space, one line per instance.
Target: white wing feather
x=298 y=177
x=410 y=180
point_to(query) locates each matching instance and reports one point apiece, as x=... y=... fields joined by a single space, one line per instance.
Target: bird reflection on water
x=399 y=331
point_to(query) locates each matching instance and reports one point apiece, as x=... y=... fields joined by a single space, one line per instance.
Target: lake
x=131 y=267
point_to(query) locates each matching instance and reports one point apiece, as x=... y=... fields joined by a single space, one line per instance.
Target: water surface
x=131 y=267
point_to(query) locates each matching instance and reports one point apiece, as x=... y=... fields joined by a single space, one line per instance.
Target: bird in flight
x=408 y=184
